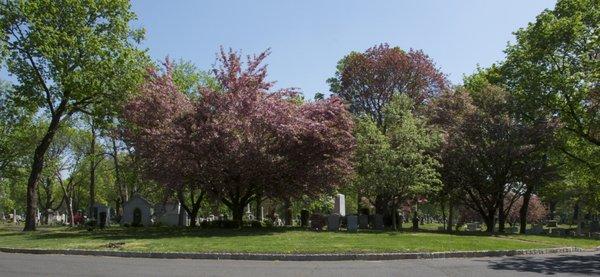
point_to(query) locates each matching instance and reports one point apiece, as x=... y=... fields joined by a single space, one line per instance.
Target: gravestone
x=316 y=222
x=595 y=226
x=552 y=224
x=512 y=230
x=340 y=205
x=378 y=222
x=537 y=229
x=352 y=223
x=15 y=216
x=304 y=215
x=363 y=221
x=558 y=232
x=333 y=222
x=472 y=227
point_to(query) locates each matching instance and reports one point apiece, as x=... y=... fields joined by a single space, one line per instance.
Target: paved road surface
x=572 y=264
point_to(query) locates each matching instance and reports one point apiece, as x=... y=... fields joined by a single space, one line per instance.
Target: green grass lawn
x=278 y=240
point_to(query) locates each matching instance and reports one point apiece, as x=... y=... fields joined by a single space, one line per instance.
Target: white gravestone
x=340 y=205
x=352 y=222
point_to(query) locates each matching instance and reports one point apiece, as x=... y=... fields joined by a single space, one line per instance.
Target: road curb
x=298 y=257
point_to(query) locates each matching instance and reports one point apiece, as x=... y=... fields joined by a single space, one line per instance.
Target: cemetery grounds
x=275 y=240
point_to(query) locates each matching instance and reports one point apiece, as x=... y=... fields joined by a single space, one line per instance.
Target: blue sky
x=308 y=37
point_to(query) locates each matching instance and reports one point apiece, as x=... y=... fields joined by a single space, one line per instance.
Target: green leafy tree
x=188 y=78
x=400 y=163
x=70 y=57
x=553 y=69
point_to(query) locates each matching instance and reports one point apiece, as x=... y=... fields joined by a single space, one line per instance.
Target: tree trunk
x=394 y=216
x=258 y=211
x=92 y=171
x=36 y=168
x=489 y=223
x=443 y=210
x=70 y=212
x=575 y=213
x=415 y=221
x=450 y=216
x=552 y=207
x=501 y=216
x=523 y=210
x=579 y=219
x=123 y=195
x=287 y=218
x=237 y=209
x=236 y=201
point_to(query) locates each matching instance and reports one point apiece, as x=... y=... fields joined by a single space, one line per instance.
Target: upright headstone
x=595 y=226
x=15 y=216
x=304 y=214
x=378 y=222
x=472 y=227
x=363 y=221
x=333 y=222
x=340 y=205
x=316 y=222
x=352 y=223
x=537 y=229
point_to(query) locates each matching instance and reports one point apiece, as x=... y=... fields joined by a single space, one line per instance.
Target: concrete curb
x=298 y=257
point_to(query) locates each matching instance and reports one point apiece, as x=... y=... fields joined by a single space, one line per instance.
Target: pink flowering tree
x=241 y=141
x=159 y=139
x=536 y=210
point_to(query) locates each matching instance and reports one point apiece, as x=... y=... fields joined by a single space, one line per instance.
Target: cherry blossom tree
x=240 y=140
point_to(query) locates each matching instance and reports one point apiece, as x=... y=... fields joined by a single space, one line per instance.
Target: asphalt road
x=572 y=264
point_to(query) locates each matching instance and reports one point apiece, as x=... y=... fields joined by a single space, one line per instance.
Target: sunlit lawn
x=279 y=240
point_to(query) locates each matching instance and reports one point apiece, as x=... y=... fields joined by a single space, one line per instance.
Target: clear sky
x=308 y=37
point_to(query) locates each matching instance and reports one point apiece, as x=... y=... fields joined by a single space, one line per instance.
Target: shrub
x=268 y=223
x=256 y=224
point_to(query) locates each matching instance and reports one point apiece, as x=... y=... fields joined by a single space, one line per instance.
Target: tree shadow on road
x=566 y=263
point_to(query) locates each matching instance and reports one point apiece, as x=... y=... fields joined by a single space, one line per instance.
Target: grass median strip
x=278 y=240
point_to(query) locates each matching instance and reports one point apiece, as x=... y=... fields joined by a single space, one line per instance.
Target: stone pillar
x=340 y=205
x=262 y=213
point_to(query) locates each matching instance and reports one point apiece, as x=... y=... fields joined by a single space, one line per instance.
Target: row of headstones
x=353 y=222
x=538 y=229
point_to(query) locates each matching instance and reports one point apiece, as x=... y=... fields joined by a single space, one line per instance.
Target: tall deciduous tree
x=487 y=150
x=398 y=164
x=553 y=69
x=70 y=57
x=368 y=81
x=242 y=140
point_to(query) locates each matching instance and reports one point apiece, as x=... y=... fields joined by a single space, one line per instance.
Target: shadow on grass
x=578 y=264
x=158 y=233
x=120 y=233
